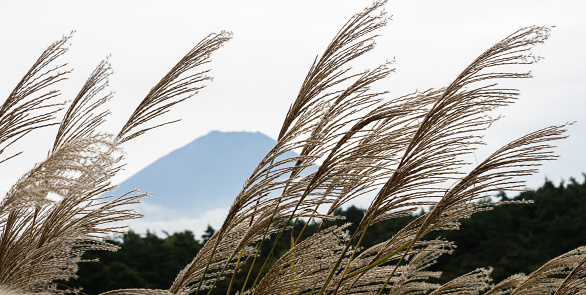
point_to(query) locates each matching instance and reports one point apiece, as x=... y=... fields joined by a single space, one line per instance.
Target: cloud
x=159 y=219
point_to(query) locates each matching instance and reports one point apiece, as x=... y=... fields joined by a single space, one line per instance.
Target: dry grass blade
x=30 y=105
x=317 y=117
x=471 y=283
x=53 y=214
x=56 y=212
x=79 y=120
x=178 y=85
x=374 y=144
x=8 y=291
x=351 y=42
x=507 y=285
x=431 y=156
x=553 y=274
x=501 y=170
x=137 y=292
x=411 y=278
x=498 y=172
x=447 y=131
x=575 y=282
x=305 y=266
x=213 y=259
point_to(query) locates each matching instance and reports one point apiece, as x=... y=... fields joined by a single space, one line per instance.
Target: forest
x=516 y=238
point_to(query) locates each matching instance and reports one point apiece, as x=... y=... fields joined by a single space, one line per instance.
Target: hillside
x=204 y=174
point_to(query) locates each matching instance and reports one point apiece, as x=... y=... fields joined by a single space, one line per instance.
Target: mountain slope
x=204 y=174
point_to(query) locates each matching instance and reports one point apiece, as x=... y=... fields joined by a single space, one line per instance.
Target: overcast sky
x=258 y=73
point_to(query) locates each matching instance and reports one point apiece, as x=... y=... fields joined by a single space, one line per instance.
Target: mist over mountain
x=203 y=175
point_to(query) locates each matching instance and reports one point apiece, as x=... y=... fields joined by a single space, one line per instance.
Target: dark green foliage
x=510 y=238
x=520 y=238
x=208 y=233
x=142 y=262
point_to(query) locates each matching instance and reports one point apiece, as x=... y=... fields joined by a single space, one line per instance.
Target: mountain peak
x=205 y=174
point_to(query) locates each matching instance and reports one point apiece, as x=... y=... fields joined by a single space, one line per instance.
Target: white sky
x=258 y=73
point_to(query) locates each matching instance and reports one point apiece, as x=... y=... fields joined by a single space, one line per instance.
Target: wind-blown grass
x=60 y=208
x=407 y=151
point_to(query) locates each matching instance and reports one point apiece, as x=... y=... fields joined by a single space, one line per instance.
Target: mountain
x=204 y=174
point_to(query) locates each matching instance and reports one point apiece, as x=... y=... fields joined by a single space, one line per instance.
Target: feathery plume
x=79 y=120
x=177 y=86
x=31 y=105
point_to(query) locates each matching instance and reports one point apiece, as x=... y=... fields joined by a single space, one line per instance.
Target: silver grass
x=547 y=280
x=471 y=283
x=80 y=120
x=411 y=147
x=42 y=239
x=575 y=282
x=60 y=208
x=137 y=292
x=432 y=156
x=8 y=291
x=305 y=128
x=179 y=84
x=351 y=141
x=352 y=41
x=507 y=285
x=413 y=279
x=302 y=269
x=31 y=104
x=365 y=277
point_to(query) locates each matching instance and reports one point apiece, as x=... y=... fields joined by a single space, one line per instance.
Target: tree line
x=510 y=238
